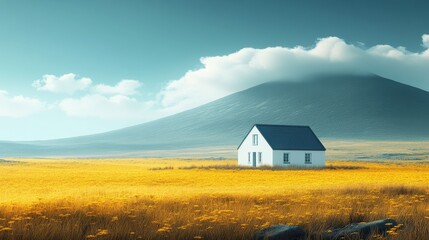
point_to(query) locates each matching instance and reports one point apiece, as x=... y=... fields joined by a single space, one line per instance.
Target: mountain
x=338 y=107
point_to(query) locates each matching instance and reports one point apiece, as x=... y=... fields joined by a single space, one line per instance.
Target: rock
x=360 y=230
x=280 y=232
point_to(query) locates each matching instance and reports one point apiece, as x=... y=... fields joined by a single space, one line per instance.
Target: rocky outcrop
x=280 y=232
x=351 y=231
x=361 y=230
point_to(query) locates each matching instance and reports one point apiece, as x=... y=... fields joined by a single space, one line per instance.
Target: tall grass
x=131 y=199
x=218 y=216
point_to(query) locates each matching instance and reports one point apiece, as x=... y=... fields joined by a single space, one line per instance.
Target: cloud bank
x=223 y=75
x=19 y=106
x=220 y=76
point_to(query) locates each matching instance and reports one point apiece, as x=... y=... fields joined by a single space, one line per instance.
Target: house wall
x=297 y=158
x=247 y=146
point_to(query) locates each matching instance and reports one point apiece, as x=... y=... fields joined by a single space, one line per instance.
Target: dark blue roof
x=288 y=137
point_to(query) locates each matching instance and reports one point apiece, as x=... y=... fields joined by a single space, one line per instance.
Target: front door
x=254 y=159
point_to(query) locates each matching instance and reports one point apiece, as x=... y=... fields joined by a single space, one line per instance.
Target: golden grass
x=169 y=199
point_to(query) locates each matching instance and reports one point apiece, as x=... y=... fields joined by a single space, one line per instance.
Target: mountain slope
x=342 y=107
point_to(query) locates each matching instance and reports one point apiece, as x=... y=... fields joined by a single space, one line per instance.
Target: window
x=286 y=158
x=308 y=158
x=255 y=139
x=259 y=157
x=248 y=157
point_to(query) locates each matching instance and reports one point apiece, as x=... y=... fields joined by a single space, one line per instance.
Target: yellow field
x=169 y=199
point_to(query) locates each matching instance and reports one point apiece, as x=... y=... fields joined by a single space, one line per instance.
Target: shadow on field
x=235 y=167
x=4 y=161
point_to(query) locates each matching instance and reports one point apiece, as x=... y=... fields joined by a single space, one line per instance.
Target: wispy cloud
x=425 y=40
x=67 y=83
x=106 y=107
x=19 y=106
x=124 y=87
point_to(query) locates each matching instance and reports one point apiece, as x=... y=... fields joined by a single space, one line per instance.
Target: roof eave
x=299 y=149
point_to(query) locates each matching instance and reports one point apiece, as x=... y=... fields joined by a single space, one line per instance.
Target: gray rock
x=280 y=232
x=361 y=230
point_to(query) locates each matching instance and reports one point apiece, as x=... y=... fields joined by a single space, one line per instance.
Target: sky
x=71 y=68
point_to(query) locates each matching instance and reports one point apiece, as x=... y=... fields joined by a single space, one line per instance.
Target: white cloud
x=425 y=40
x=67 y=83
x=124 y=87
x=222 y=75
x=99 y=106
x=19 y=106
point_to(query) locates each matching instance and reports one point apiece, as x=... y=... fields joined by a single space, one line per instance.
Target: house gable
x=255 y=154
x=248 y=135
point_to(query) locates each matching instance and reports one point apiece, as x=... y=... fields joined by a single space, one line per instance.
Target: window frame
x=284 y=158
x=309 y=158
x=255 y=139
x=259 y=157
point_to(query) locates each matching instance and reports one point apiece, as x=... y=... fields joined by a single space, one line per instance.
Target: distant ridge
x=338 y=107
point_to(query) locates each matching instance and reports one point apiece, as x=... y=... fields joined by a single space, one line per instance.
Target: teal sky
x=155 y=42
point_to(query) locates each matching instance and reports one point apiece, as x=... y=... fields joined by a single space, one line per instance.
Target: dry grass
x=129 y=199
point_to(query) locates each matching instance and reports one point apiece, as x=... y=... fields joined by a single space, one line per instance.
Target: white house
x=281 y=145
